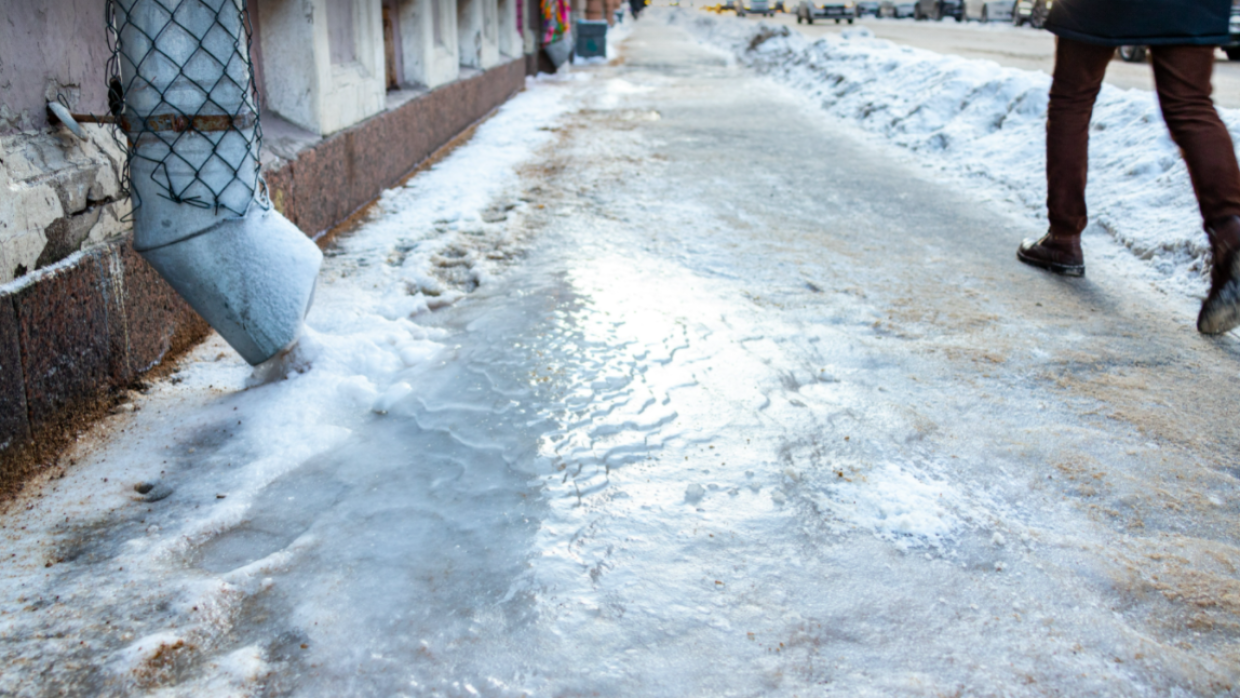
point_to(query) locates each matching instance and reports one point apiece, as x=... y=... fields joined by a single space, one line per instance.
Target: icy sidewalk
x=705 y=423
x=984 y=127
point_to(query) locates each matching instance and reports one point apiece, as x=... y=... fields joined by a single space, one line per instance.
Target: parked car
x=754 y=7
x=988 y=10
x=829 y=9
x=1232 y=47
x=868 y=7
x=1032 y=12
x=938 y=9
x=896 y=8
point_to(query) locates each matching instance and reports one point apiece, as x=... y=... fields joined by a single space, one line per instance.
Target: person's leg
x=1182 y=76
x=1079 y=70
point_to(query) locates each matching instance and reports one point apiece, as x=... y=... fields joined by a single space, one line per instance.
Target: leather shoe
x=1061 y=255
x=1220 y=312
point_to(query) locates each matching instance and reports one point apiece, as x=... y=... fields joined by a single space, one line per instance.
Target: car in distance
x=896 y=8
x=754 y=7
x=1232 y=47
x=809 y=10
x=868 y=7
x=1031 y=12
x=987 y=10
x=938 y=9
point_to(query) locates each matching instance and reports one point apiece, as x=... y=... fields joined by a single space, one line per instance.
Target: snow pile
x=986 y=124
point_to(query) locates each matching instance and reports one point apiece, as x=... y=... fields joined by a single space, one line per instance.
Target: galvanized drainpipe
x=251 y=276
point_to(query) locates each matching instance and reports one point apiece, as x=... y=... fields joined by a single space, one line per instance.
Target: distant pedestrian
x=1182 y=36
x=636 y=7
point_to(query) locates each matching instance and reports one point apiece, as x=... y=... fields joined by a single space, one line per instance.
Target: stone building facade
x=355 y=94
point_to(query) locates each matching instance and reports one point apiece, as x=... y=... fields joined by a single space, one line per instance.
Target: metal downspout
x=192 y=124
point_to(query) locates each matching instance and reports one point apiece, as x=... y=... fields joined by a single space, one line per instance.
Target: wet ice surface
x=676 y=441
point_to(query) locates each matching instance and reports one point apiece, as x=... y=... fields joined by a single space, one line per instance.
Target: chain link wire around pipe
x=181 y=85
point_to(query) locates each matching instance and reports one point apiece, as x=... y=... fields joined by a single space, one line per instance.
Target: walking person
x=1182 y=36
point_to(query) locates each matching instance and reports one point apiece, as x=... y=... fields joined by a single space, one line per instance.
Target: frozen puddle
x=669 y=453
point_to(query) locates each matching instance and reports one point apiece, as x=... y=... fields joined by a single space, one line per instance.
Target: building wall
x=477 y=23
x=49 y=49
x=354 y=88
x=509 y=40
x=75 y=333
x=429 y=39
x=58 y=194
x=320 y=65
x=469 y=32
x=490 y=33
x=285 y=30
x=81 y=314
x=323 y=61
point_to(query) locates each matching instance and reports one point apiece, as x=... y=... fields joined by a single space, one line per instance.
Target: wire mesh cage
x=181 y=86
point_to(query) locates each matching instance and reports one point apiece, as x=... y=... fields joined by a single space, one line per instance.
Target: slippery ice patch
x=219 y=437
x=986 y=124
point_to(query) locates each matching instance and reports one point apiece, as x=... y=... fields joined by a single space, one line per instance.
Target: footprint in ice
x=153 y=491
x=278 y=516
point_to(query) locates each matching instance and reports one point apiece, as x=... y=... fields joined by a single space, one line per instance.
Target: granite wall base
x=329 y=182
x=71 y=337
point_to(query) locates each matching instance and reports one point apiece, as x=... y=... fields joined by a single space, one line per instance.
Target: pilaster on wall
x=429 y=51
x=490 y=34
x=323 y=61
x=510 y=44
x=477 y=23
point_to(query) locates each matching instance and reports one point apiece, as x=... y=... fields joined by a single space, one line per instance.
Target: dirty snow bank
x=986 y=124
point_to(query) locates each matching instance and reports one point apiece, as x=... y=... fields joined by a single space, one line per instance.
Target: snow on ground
x=638 y=464
x=985 y=124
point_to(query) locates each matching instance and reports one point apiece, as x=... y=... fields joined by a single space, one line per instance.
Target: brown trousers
x=1182 y=76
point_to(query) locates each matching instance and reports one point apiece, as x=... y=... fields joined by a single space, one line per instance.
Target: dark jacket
x=1141 y=22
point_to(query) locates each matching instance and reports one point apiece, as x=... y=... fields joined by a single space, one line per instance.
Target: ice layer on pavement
x=565 y=421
